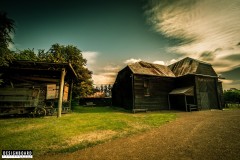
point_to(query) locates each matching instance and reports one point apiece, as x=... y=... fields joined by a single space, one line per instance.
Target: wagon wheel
x=50 y=111
x=40 y=112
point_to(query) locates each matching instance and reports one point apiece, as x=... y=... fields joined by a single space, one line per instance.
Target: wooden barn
x=31 y=87
x=142 y=86
x=186 y=85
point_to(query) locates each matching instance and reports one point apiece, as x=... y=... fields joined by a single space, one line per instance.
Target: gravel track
x=212 y=135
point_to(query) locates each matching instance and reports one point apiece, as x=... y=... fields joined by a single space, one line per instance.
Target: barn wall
x=220 y=94
x=154 y=95
x=122 y=90
x=206 y=91
x=205 y=69
x=185 y=81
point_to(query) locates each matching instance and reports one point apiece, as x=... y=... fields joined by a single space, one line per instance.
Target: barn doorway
x=182 y=99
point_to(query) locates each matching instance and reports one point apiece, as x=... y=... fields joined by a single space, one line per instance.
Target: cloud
x=209 y=30
x=106 y=75
x=102 y=79
x=159 y=62
x=132 y=60
x=165 y=62
x=91 y=56
x=227 y=84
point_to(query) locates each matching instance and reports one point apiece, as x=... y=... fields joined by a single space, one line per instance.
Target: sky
x=114 y=33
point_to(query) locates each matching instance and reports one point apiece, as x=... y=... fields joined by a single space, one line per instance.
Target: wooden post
x=217 y=93
x=70 y=96
x=60 y=97
x=133 y=93
x=169 y=104
x=185 y=102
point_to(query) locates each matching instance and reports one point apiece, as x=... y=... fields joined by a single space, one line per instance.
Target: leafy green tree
x=232 y=96
x=6 y=28
x=64 y=54
x=71 y=54
x=27 y=54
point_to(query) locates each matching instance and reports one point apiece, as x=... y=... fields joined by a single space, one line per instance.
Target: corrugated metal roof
x=145 y=68
x=188 y=91
x=191 y=66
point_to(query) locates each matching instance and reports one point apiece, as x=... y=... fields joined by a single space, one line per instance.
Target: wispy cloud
x=91 y=56
x=132 y=60
x=209 y=29
x=159 y=62
x=106 y=75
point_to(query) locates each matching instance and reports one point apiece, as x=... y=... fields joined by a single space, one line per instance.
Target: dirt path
x=197 y=135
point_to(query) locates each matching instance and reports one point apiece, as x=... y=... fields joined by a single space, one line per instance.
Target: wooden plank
x=51 y=91
x=15 y=91
x=39 y=79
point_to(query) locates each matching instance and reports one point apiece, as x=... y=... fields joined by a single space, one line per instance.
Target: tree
x=71 y=54
x=64 y=54
x=26 y=54
x=6 y=28
x=232 y=96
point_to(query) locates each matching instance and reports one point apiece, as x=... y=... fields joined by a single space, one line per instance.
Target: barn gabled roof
x=144 y=68
x=192 y=66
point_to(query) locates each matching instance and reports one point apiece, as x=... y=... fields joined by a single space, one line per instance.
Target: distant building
x=185 y=85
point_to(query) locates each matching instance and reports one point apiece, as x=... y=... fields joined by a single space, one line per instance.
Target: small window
x=146 y=87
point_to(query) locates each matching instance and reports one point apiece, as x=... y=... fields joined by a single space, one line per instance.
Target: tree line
x=232 y=96
x=57 y=53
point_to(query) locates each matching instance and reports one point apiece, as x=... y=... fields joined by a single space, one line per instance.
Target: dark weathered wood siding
x=220 y=95
x=206 y=92
x=159 y=87
x=122 y=95
x=205 y=69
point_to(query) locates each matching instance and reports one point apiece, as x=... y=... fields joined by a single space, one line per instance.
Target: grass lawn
x=85 y=127
x=232 y=106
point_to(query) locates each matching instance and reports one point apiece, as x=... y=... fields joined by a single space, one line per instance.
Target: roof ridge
x=199 y=61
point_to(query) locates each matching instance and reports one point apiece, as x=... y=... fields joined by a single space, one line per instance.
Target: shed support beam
x=60 y=97
x=169 y=103
x=185 y=102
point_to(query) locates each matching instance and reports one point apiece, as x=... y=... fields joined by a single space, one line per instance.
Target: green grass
x=232 y=106
x=85 y=127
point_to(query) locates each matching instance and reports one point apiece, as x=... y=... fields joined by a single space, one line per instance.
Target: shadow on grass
x=15 y=116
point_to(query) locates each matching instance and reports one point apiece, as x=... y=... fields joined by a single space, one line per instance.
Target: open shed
x=30 y=86
x=182 y=99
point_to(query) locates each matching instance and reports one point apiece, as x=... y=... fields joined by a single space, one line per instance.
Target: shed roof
x=192 y=66
x=46 y=68
x=188 y=91
x=145 y=68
